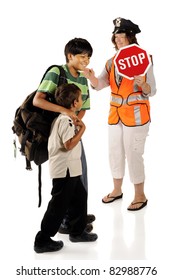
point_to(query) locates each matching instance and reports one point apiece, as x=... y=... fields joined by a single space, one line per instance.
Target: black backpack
x=32 y=127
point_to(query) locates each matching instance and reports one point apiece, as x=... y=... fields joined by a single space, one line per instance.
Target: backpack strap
x=23 y=143
x=22 y=150
x=39 y=185
x=28 y=164
x=62 y=76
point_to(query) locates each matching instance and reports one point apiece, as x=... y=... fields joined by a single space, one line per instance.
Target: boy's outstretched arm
x=41 y=102
x=90 y=75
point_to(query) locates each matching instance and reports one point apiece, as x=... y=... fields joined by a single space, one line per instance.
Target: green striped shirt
x=49 y=84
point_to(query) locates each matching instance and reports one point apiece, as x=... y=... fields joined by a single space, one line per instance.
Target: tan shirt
x=60 y=159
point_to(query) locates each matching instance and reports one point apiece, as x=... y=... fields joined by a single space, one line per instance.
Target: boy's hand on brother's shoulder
x=79 y=123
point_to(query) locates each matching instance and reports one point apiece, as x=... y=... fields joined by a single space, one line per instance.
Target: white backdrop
x=33 y=36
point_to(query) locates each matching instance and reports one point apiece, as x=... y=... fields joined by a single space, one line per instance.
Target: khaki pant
x=127 y=143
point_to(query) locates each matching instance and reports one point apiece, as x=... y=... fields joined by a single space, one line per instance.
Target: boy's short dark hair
x=78 y=46
x=66 y=94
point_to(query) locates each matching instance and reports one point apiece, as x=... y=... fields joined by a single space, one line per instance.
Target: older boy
x=77 y=53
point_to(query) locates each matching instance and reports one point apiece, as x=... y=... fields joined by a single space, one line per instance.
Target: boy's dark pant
x=84 y=176
x=68 y=218
x=67 y=192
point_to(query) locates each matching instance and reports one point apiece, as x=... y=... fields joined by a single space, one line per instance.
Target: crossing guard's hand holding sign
x=132 y=61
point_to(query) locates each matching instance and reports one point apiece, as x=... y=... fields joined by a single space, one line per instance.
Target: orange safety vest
x=127 y=102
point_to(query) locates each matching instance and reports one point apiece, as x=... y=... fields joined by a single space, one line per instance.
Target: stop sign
x=132 y=60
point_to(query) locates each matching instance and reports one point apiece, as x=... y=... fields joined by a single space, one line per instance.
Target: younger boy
x=64 y=147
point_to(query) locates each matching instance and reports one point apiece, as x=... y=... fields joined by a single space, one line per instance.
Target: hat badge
x=118 y=22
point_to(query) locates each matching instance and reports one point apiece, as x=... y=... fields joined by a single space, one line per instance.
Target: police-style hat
x=123 y=25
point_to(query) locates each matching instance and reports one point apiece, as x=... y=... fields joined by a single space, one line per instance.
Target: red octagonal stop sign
x=132 y=60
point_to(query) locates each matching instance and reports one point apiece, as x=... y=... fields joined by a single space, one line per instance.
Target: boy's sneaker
x=47 y=245
x=64 y=229
x=84 y=237
x=90 y=218
x=89 y=228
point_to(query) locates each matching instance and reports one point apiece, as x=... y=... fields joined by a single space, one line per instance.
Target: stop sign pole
x=132 y=61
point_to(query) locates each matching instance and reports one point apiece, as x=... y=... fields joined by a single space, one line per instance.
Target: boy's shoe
x=47 y=246
x=64 y=229
x=89 y=228
x=84 y=237
x=90 y=218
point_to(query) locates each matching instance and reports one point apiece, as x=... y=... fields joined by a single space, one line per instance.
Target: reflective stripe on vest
x=137 y=114
x=127 y=102
x=117 y=100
